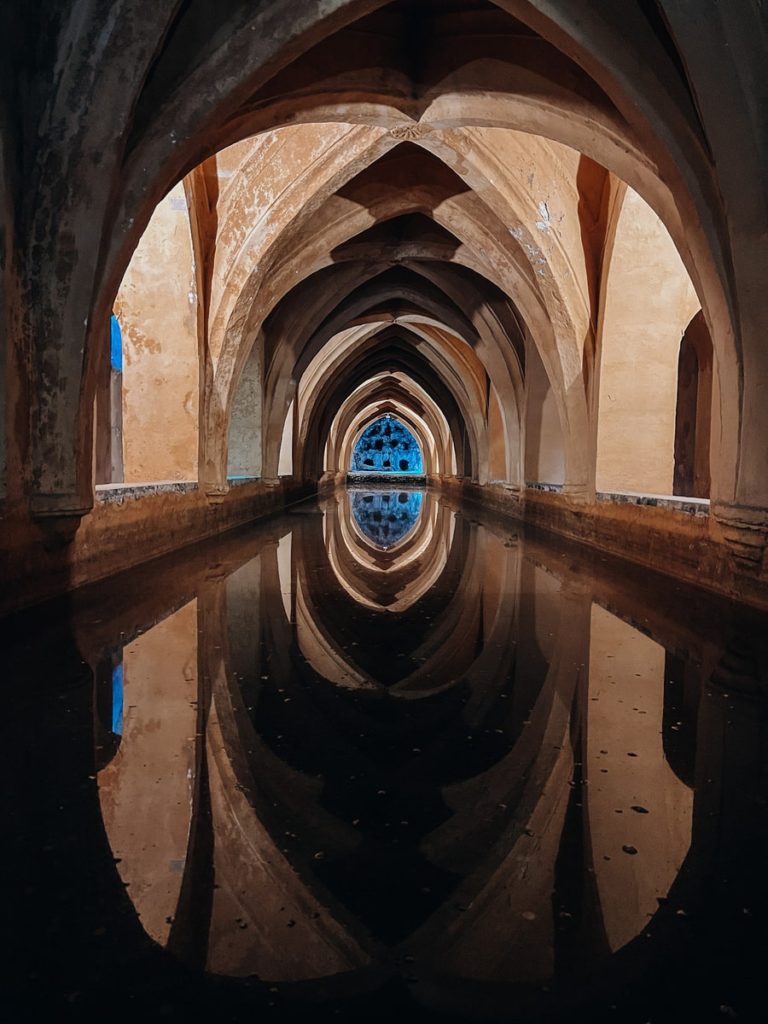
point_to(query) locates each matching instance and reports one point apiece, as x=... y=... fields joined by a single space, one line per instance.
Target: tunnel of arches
x=240 y=242
x=520 y=231
x=470 y=331
x=485 y=293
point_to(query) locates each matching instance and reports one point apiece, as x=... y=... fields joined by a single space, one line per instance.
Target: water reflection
x=408 y=781
x=458 y=764
x=386 y=517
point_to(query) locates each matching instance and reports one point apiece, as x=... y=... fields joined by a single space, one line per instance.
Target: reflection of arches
x=682 y=691
x=385 y=518
x=271 y=810
x=635 y=799
x=693 y=418
x=396 y=578
x=158 y=743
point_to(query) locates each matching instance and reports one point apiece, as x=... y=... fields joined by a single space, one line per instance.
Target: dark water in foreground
x=377 y=758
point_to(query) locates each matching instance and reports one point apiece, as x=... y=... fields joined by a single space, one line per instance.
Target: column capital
x=58 y=517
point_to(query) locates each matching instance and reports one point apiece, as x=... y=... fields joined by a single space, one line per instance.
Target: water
x=378 y=757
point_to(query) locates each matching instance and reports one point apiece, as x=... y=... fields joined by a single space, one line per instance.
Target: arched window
x=109 y=412
x=387 y=446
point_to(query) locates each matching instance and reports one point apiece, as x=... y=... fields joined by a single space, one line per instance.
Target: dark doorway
x=693 y=419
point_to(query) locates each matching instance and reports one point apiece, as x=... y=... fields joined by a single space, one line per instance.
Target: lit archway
x=387 y=446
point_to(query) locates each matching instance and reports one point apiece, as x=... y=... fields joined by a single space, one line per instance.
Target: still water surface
x=378 y=757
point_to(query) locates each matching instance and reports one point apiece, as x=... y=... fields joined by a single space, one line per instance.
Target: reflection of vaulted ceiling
x=394 y=579
x=290 y=762
x=463 y=864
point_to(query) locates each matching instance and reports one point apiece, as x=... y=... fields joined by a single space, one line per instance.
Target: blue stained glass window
x=117 y=699
x=115 y=345
x=387 y=446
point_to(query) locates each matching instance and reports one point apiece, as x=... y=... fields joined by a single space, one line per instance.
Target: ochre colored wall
x=544 y=450
x=245 y=435
x=648 y=302
x=285 y=462
x=157 y=310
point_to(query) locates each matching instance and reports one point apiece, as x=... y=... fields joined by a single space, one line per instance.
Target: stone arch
x=365 y=308
x=542 y=329
x=399 y=394
x=424 y=368
x=411 y=402
x=648 y=299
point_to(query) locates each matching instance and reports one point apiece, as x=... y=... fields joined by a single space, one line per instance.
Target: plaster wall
x=253 y=176
x=648 y=302
x=544 y=448
x=285 y=462
x=157 y=310
x=245 y=425
x=538 y=199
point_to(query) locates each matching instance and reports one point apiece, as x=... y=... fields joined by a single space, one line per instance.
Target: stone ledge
x=241 y=481
x=690 y=506
x=537 y=486
x=118 y=493
x=661 y=536
x=674 y=536
x=394 y=480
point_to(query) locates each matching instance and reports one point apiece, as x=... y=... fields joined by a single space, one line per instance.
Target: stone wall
x=128 y=526
x=675 y=537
